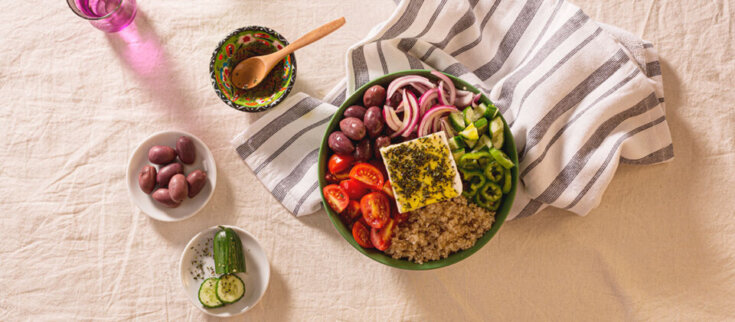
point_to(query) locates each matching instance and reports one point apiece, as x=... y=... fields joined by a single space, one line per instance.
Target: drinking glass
x=105 y=15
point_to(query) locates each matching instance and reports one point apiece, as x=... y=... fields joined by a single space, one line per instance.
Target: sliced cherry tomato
x=361 y=235
x=369 y=175
x=336 y=197
x=340 y=163
x=336 y=178
x=381 y=238
x=353 y=212
x=355 y=189
x=375 y=208
x=388 y=189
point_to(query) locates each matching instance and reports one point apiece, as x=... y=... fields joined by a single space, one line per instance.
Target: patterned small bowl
x=223 y=61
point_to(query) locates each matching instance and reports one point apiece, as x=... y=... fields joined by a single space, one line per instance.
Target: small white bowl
x=189 y=207
x=256 y=278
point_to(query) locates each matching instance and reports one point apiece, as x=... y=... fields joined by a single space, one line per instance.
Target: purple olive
x=374 y=96
x=363 y=150
x=374 y=121
x=380 y=142
x=355 y=111
x=353 y=128
x=340 y=143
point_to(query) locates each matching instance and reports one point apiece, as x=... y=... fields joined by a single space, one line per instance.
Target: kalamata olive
x=374 y=96
x=165 y=174
x=395 y=99
x=178 y=188
x=355 y=111
x=340 y=143
x=353 y=128
x=363 y=150
x=164 y=197
x=161 y=154
x=185 y=149
x=147 y=179
x=374 y=121
x=381 y=141
x=196 y=181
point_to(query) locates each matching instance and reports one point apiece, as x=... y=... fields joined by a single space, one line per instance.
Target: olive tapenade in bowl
x=242 y=44
x=418 y=170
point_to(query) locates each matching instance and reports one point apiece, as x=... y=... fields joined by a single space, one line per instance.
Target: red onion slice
x=427 y=100
x=414 y=107
x=391 y=119
x=406 y=116
x=400 y=82
x=476 y=99
x=464 y=99
x=450 y=86
x=428 y=120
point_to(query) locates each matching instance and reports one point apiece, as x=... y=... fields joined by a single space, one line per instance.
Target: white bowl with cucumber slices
x=224 y=271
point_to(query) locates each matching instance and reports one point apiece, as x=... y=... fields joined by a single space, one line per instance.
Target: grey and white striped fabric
x=580 y=97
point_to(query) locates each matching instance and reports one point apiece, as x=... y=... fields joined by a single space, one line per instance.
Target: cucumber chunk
x=470 y=116
x=484 y=143
x=490 y=112
x=470 y=143
x=481 y=125
x=456 y=119
x=496 y=126
x=470 y=133
x=481 y=109
x=229 y=288
x=207 y=293
x=456 y=143
x=498 y=140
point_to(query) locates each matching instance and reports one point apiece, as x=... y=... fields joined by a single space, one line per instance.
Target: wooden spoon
x=250 y=72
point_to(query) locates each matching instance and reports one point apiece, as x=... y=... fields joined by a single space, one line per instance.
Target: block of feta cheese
x=422 y=171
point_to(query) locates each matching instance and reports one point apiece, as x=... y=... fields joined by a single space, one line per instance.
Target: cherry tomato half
x=388 y=189
x=340 y=163
x=369 y=175
x=361 y=235
x=336 y=197
x=378 y=164
x=336 y=178
x=381 y=237
x=375 y=208
x=355 y=189
x=353 y=212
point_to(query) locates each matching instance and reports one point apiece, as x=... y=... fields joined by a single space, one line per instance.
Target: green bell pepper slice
x=507 y=181
x=502 y=158
x=475 y=179
x=475 y=160
x=494 y=171
x=491 y=192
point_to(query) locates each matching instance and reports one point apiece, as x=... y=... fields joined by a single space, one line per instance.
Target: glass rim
x=76 y=10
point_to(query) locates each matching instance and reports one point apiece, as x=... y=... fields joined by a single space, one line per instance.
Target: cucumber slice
x=498 y=140
x=207 y=293
x=481 y=109
x=456 y=119
x=469 y=115
x=470 y=133
x=458 y=154
x=481 y=125
x=484 y=143
x=491 y=111
x=470 y=143
x=496 y=126
x=501 y=158
x=230 y=288
x=456 y=143
x=507 y=183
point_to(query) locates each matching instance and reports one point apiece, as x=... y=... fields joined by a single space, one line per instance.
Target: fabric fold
x=579 y=96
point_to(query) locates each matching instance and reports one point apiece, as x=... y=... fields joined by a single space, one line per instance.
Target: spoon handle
x=313 y=36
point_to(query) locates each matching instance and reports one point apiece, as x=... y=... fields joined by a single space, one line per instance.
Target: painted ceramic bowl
x=230 y=51
x=509 y=148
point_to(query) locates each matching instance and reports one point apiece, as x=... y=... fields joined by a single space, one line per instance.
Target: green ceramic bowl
x=224 y=59
x=356 y=99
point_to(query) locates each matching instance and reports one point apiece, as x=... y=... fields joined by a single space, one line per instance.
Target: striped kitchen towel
x=580 y=97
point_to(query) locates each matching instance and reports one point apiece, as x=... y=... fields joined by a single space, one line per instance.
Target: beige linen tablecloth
x=76 y=102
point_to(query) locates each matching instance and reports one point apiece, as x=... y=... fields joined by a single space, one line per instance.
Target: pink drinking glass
x=105 y=15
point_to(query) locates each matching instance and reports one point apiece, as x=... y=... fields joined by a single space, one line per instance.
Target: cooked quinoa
x=440 y=229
